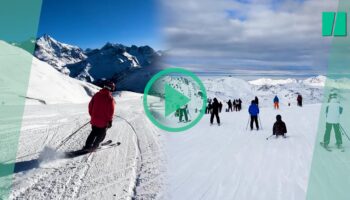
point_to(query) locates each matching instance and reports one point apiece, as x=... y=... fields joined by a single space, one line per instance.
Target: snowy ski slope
x=230 y=162
x=133 y=170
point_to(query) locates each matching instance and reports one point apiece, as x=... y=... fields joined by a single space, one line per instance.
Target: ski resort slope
x=230 y=162
x=132 y=170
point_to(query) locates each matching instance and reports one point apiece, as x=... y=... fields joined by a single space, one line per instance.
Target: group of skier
x=214 y=107
x=102 y=105
x=234 y=105
x=333 y=112
x=279 y=128
x=209 y=106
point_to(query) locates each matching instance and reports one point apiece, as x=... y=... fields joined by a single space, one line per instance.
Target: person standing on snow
x=276 y=102
x=220 y=107
x=256 y=100
x=207 y=108
x=300 y=100
x=239 y=104
x=279 y=127
x=183 y=112
x=229 y=103
x=254 y=112
x=215 y=112
x=101 y=110
x=333 y=112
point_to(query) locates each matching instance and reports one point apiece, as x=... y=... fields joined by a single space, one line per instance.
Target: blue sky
x=92 y=23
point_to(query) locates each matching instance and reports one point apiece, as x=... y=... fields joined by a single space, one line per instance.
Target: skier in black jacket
x=256 y=100
x=229 y=103
x=300 y=100
x=279 y=128
x=215 y=112
x=239 y=104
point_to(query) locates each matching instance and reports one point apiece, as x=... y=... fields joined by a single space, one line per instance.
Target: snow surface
x=133 y=170
x=230 y=162
x=50 y=86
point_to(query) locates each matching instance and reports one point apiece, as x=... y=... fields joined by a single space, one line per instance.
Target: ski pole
x=260 y=122
x=344 y=132
x=246 y=128
x=189 y=114
x=71 y=135
x=269 y=137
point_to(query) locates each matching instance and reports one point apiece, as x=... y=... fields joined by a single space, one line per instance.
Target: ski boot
x=325 y=146
x=340 y=147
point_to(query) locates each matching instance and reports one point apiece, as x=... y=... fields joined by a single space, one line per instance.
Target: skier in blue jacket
x=276 y=102
x=254 y=112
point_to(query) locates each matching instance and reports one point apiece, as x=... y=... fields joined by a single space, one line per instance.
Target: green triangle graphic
x=173 y=100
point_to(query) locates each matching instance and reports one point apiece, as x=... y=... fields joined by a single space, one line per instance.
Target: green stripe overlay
x=18 y=24
x=330 y=170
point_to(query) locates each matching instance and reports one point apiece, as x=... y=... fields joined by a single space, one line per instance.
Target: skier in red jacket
x=101 y=110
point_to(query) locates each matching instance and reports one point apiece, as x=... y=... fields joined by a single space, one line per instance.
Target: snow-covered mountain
x=57 y=54
x=287 y=90
x=269 y=81
x=47 y=85
x=113 y=61
x=315 y=81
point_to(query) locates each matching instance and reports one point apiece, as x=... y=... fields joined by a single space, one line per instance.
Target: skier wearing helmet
x=101 y=110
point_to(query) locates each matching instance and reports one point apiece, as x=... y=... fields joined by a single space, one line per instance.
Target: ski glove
x=109 y=124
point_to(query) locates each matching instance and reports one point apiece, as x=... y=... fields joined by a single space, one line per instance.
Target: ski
x=104 y=145
x=325 y=147
x=269 y=137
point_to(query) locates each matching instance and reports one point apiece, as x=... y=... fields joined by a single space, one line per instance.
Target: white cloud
x=261 y=33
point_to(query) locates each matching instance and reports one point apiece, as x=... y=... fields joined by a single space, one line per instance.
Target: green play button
x=174 y=99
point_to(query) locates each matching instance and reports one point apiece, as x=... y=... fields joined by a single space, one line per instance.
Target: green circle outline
x=159 y=75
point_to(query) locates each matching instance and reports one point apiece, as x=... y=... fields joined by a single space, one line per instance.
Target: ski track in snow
x=132 y=170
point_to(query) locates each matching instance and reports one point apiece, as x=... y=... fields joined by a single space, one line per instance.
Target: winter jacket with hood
x=101 y=108
x=215 y=106
x=333 y=111
x=253 y=109
x=279 y=128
